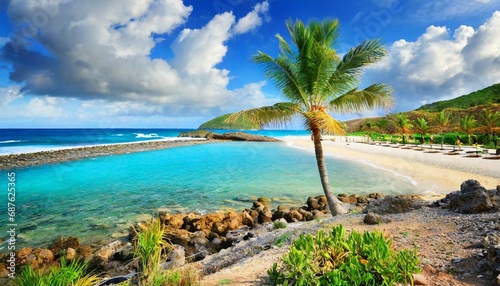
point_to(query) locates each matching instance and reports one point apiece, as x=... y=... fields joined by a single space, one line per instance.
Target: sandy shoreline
x=435 y=174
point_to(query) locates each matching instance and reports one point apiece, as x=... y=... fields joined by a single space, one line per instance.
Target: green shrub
x=74 y=273
x=332 y=259
x=279 y=224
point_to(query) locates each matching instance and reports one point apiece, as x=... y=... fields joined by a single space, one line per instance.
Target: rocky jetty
x=8 y=162
x=72 y=154
x=230 y=136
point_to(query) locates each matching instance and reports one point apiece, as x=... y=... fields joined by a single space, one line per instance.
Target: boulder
x=376 y=196
x=312 y=204
x=70 y=254
x=46 y=255
x=279 y=214
x=191 y=222
x=307 y=216
x=108 y=250
x=207 y=221
x=233 y=220
x=265 y=215
x=178 y=236
x=176 y=258
x=172 y=220
x=491 y=242
x=471 y=199
x=317 y=203
x=86 y=252
x=372 y=218
x=389 y=205
x=296 y=215
x=64 y=243
x=349 y=200
x=125 y=253
x=247 y=219
x=220 y=228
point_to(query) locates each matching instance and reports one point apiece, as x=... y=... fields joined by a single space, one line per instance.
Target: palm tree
x=490 y=122
x=421 y=127
x=442 y=121
x=369 y=126
x=403 y=124
x=468 y=124
x=316 y=81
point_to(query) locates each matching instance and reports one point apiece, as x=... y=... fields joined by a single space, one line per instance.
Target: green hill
x=484 y=96
x=218 y=123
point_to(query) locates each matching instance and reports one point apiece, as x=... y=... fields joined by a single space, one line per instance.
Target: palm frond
x=326 y=123
x=350 y=68
x=282 y=72
x=284 y=47
x=372 y=97
x=275 y=115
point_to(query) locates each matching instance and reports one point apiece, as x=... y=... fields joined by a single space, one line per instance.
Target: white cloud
x=46 y=107
x=439 y=66
x=10 y=94
x=252 y=19
x=249 y=96
x=101 y=50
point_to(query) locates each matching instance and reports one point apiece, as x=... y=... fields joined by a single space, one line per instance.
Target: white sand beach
x=435 y=174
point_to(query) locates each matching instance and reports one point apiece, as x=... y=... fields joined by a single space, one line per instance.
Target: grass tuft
x=73 y=273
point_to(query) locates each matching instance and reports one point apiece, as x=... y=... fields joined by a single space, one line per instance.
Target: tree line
x=443 y=127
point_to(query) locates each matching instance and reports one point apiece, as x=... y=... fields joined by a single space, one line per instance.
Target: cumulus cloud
x=252 y=19
x=102 y=51
x=43 y=107
x=440 y=65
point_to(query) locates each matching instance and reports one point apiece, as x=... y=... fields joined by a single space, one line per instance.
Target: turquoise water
x=33 y=140
x=95 y=198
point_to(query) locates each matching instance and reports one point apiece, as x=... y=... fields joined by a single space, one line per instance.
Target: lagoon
x=98 y=197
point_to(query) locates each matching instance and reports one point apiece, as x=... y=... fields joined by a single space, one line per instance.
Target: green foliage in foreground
x=74 y=273
x=484 y=96
x=220 y=123
x=150 y=249
x=332 y=259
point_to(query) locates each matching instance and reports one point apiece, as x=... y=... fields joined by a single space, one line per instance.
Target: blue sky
x=174 y=63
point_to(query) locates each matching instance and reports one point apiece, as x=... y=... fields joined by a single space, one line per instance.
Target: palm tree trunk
x=335 y=205
x=442 y=140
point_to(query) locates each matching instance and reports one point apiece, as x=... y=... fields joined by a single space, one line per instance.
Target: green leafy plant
x=334 y=259
x=224 y=281
x=282 y=239
x=72 y=273
x=279 y=224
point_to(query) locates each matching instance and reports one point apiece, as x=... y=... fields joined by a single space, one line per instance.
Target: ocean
x=97 y=199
